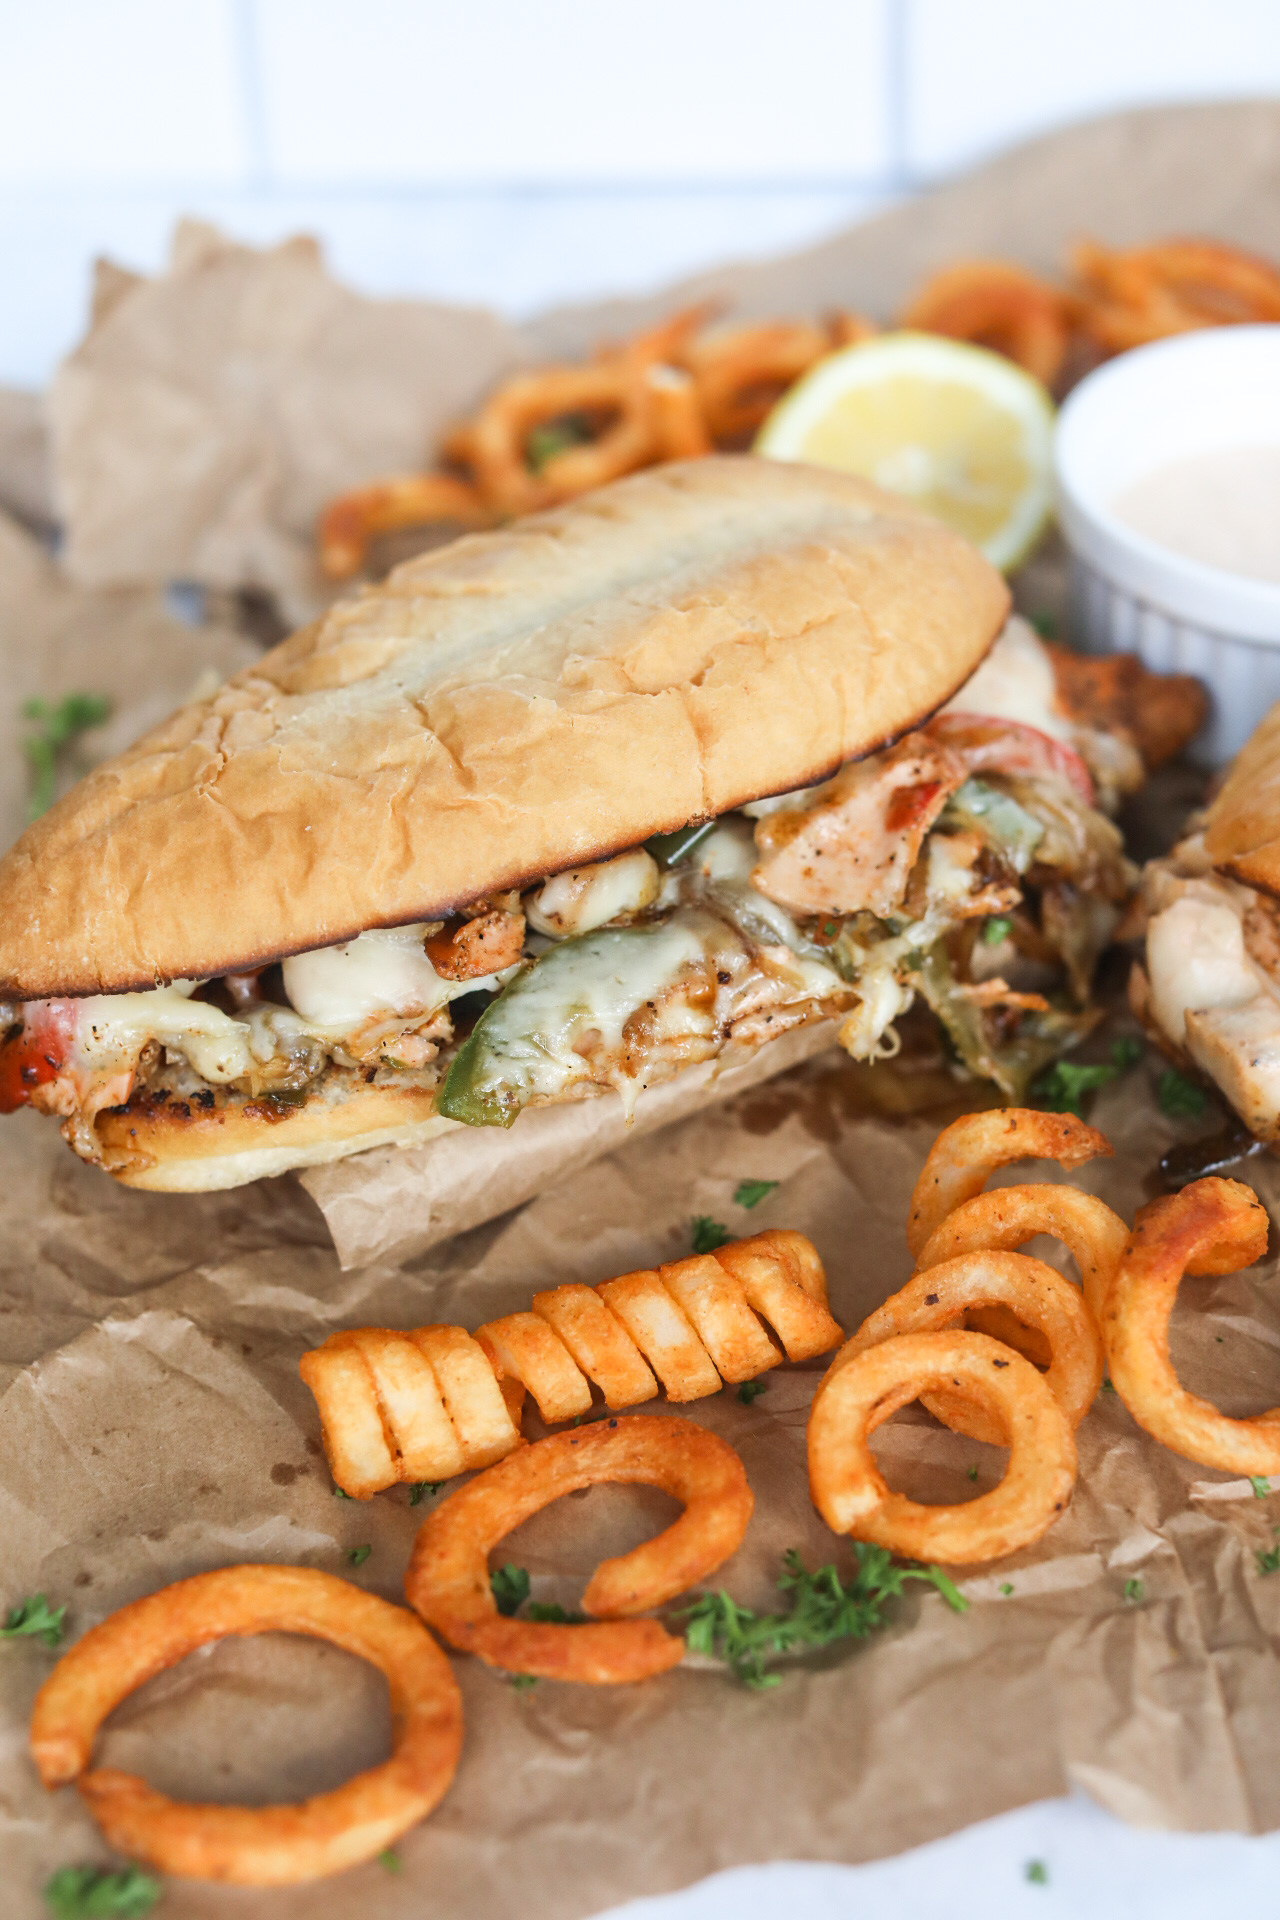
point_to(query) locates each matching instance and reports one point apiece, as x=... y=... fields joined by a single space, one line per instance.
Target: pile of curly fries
x=690 y=387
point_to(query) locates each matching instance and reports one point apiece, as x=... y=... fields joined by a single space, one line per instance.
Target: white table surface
x=1096 y=1868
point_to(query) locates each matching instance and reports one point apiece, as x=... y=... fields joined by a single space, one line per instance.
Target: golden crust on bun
x=1242 y=833
x=500 y=709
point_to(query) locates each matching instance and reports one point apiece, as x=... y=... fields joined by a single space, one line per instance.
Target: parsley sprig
x=510 y=1587
x=1179 y=1097
x=54 y=729
x=1063 y=1086
x=749 y=1193
x=90 y=1893
x=823 y=1608
x=556 y=436
x=707 y=1234
x=34 y=1616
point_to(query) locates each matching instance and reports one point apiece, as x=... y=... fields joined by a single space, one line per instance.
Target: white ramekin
x=1196 y=393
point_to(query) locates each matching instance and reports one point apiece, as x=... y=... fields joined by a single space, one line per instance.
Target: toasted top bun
x=1242 y=835
x=502 y=708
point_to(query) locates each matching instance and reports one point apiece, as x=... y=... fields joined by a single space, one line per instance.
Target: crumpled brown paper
x=152 y=1423
x=26 y=483
x=394 y=1203
x=57 y=638
x=209 y=414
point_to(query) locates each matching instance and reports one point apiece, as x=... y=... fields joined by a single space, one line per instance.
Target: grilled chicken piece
x=852 y=849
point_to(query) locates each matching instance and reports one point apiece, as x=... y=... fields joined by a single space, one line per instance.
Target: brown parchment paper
x=395 y=1202
x=152 y=1422
x=57 y=638
x=209 y=414
x=26 y=483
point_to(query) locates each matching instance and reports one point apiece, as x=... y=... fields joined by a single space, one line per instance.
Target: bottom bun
x=175 y=1147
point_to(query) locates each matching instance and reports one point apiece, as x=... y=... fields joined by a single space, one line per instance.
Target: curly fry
x=448 y=1577
x=1033 y=1294
x=742 y=371
x=966 y=1154
x=434 y=1402
x=1007 y=1217
x=850 y=1492
x=272 y=1846
x=1176 y=286
x=349 y=523
x=1211 y=1226
x=645 y=419
x=997 y=305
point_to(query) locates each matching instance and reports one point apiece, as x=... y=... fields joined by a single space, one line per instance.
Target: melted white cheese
x=385 y=971
x=591 y=985
x=587 y=897
x=113 y=1028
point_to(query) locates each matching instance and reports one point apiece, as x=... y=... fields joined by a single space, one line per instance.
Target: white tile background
x=525 y=151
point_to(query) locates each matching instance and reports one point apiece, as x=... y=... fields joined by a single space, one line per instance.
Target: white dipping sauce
x=1220 y=508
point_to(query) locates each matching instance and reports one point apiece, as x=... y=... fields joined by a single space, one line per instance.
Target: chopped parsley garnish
x=358 y=1555
x=391 y=1860
x=973 y=1473
x=33 y=1616
x=510 y=1588
x=556 y=436
x=1045 y=624
x=1260 y=1484
x=1133 y=1592
x=523 y=1681
x=1063 y=1086
x=340 y=1493
x=1006 y=1588
x=1108 y=1384
x=998 y=928
x=1268 y=1559
x=1037 y=1873
x=708 y=1234
x=56 y=729
x=92 y=1893
x=823 y=1608
x=751 y=1390
x=419 y=1489
x=1179 y=1097
x=751 y=1192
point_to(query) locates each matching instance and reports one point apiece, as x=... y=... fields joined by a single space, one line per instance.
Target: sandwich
x=725 y=749
x=1208 y=985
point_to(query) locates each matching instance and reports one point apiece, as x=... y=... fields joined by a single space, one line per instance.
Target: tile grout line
x=896 y=89
x=253 y=106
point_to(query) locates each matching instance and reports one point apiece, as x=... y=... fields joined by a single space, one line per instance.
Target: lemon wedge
x=961 y=431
